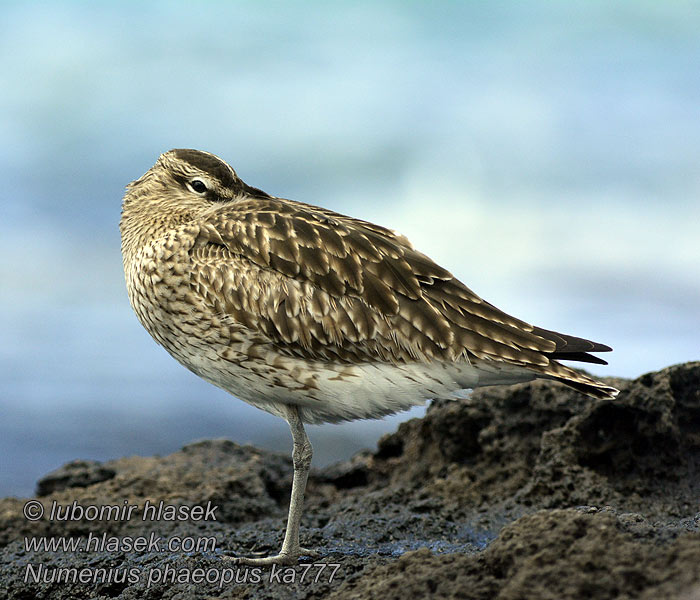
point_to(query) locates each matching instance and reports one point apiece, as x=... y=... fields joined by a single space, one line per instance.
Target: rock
x=551 y=554
x=523 y=491
x=78 y=473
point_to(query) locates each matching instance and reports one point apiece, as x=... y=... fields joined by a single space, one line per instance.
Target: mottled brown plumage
x=311 y=314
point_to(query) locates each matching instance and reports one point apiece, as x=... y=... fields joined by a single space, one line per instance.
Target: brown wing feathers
x=363 y=289
x=572 y=348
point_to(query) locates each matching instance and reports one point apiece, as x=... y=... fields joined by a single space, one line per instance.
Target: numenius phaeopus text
x=312 y=315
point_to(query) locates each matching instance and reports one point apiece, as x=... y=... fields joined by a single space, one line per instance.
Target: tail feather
x=570 y=347
x=577 y=356
x=596 y=389
x=577 y=380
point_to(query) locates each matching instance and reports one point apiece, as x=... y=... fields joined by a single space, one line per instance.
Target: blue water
x=548 y=154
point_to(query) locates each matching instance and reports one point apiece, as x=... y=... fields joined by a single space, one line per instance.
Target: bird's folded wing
x=326 y=286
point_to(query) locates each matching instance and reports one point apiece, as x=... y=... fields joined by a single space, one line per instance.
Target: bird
x=313 y=315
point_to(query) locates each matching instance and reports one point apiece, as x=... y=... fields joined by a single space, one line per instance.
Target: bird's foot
x=308 y=552
x=283 y=558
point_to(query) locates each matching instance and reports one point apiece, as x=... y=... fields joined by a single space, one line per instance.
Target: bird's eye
x=198 y=186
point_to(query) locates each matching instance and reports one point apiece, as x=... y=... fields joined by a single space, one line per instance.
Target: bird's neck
x=147 y=218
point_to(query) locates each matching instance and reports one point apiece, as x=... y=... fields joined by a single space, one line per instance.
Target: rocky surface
x=530 y=491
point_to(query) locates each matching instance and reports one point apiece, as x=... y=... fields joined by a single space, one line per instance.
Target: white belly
x=328 y=392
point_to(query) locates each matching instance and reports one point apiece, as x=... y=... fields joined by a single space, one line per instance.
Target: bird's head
x=182 y=185
x=185 y=179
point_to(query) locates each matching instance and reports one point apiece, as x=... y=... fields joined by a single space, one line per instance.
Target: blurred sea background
x=547 y=153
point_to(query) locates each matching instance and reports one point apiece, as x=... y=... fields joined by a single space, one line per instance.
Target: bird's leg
x=301 y=457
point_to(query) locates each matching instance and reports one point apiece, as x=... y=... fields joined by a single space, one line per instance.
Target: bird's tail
x=577 y=380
